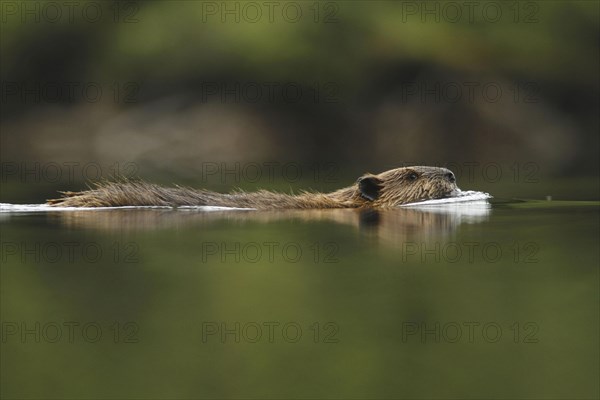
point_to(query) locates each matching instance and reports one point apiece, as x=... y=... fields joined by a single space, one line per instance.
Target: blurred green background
x=368 y=86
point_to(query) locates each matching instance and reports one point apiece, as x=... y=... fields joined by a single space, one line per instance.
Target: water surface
x=465 y=300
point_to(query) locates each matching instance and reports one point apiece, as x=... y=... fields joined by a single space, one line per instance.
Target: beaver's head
x=406 y=185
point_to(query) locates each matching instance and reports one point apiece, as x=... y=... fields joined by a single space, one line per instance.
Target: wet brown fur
x=385 y=190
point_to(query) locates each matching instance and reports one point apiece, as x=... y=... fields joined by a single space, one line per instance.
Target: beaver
x=385 y=190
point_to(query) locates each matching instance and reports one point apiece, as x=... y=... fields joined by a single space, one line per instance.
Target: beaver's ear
x=369 y=187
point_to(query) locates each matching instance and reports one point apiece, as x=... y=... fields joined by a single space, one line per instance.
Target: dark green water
x=497 y=303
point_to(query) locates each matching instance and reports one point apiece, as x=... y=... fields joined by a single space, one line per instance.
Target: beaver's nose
x=450 y=176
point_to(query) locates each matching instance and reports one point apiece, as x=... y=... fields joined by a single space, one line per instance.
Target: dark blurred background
x=163 y=89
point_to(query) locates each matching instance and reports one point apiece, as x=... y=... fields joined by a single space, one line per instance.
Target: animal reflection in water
x=391 y=225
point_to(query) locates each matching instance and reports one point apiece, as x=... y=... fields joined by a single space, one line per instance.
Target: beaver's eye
x=413 y=176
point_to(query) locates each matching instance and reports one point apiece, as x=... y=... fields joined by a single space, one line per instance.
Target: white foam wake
x=26 y=208
x=469 y=206
x=467 y=197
